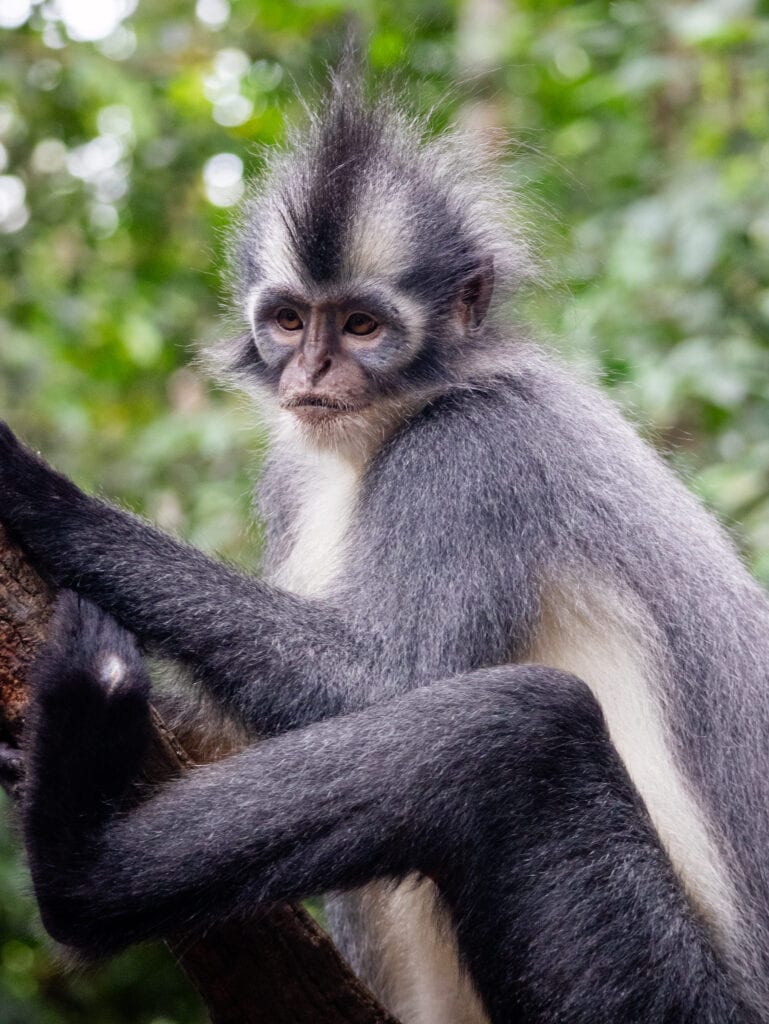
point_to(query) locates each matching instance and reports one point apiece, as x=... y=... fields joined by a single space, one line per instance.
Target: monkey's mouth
x=319 y=407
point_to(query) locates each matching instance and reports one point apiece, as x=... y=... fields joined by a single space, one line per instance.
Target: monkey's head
x=365 y=264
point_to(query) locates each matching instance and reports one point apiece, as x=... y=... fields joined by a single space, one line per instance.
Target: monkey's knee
x=533 y=705
x=532 y=747
x=526 y=735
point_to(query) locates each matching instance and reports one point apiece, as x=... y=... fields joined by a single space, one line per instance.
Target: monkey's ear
x=475 y=294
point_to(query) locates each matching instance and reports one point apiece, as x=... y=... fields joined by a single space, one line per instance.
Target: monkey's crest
x=365 y=193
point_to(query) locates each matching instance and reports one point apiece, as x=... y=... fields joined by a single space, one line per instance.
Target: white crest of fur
x=380 y=238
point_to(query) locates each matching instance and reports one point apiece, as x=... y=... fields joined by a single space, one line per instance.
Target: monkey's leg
x=502 y=786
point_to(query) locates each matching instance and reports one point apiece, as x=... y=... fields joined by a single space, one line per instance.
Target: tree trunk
x=278 y=967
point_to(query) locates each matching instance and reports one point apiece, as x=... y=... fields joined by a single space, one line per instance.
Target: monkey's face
x=346 y=361
x=323 y=376
x=332 y=356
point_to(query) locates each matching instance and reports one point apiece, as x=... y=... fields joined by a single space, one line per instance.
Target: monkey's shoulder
x=537 y=427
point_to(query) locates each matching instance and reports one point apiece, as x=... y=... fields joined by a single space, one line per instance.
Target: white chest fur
x=327 y=493
x=419 y=973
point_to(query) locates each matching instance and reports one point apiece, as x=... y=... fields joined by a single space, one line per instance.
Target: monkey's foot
x=88 y=650
x=89 y=718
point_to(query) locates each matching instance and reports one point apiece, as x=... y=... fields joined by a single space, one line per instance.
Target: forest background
x=638 y=140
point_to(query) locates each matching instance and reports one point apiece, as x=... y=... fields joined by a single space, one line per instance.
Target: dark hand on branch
x=35 y=500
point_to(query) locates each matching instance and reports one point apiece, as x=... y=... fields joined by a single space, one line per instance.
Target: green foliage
x=642 y=152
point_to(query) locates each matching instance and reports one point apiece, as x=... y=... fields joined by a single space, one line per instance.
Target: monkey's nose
x=316 y=366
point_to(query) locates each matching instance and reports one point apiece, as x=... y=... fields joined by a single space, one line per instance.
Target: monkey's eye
x=288 y=319
x=360 y=323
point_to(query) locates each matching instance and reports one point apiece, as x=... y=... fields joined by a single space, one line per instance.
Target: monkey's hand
x=36 y=502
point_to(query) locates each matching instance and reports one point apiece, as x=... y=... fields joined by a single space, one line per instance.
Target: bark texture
x=276 y=968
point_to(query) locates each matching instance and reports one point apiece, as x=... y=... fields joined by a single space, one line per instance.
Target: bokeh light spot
x=13 y=210
x=14 y=13
x=86 y=21
x=223 y=179
x=213 y=13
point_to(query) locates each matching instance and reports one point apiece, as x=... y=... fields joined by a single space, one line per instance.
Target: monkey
x=505 y=680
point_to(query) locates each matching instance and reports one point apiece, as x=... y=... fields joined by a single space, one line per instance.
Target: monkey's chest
x=320 y=528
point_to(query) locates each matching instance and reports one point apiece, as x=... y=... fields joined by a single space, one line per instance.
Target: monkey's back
x=642 y=593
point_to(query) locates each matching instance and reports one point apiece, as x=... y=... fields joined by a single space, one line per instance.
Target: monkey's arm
x=238 y=632
x=274 y=659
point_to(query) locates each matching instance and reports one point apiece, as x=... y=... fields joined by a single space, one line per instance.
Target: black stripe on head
x=441 y=253
x=339 y=160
